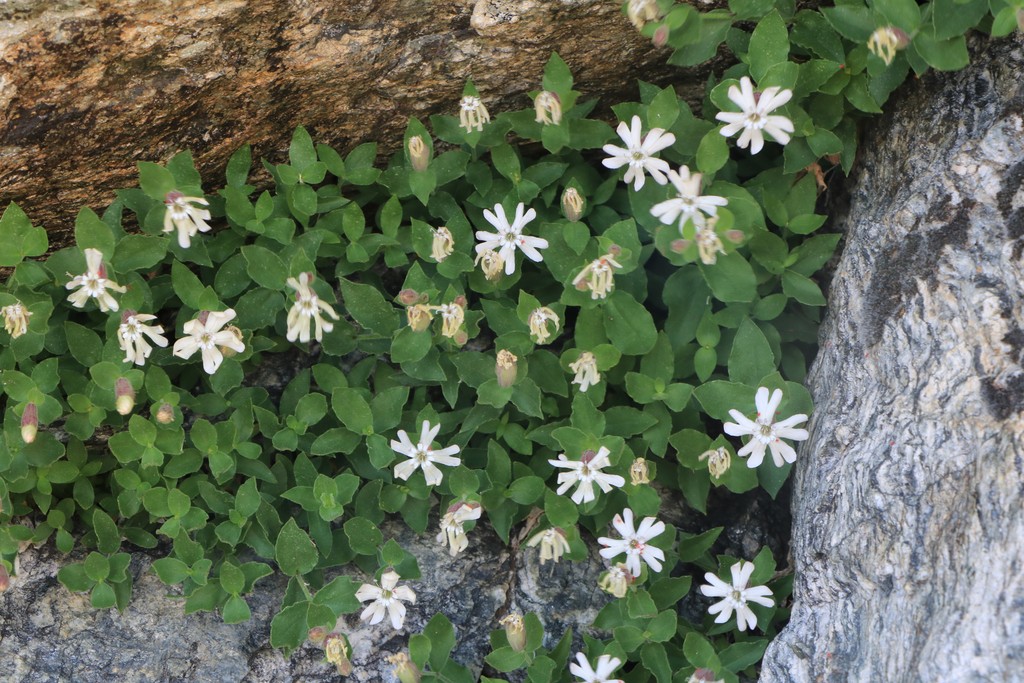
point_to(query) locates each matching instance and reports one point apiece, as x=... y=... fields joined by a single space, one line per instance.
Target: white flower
x=616 y=580
x=206 y=335
x=510 y=236
x=642 y=11
x=386 y=597
x=307 y=307
x=585 y=368
x=472 y=113
x=132 y=333
x=754 y=118
x=419 y=316
x=586 y=472
x=187 y=219
x=539 y=319
x=606 y=666
x=709 y=244
x=422 y=455
x=443 y=243
x=94 y=284
x=736 y=595
x=765 y=433
x=452 y=534
x=16 y=319
x=598 y=276
x=688 y=204
x=637 y=153
x=552 y=544
x=634 y=543
x=548 y=108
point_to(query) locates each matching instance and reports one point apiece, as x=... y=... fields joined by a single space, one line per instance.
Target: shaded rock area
x=88 y=89
x=908 y=534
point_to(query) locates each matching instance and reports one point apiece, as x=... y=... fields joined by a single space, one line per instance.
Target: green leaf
x=363 y=535
x=84 y=344
x=301 y=153
x=353 y=410
x=629 y=325
x=19 y=237
x=369 y=308
x=942 y=55
x=108 y=538
x=655 y=660
x=699 y=652
x=731 y=278
x=93 y=233
x=289 y=628
x=751 y=357
x=851 y=21
x=155 y=180
x=713 y=151
x=802 y=289
x=138 y=252
x=74 y=578
x=232 y=580
x=238 y=166
x=235 y=610
x=442 y=639
x=265 y=267
x=769 y=45
x=294 y=551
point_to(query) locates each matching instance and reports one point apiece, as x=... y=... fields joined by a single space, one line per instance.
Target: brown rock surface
x=88 y=88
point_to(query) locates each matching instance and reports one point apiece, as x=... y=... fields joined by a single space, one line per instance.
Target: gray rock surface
x=908 y=523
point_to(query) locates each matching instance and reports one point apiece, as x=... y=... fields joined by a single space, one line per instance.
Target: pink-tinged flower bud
x=515 y=631
x=679 y=246
x=735 y=236
x=419 y=153
x=460 y=300
x=336 y=651
x=29 y=423
x=405 y=671
x=461 y=337
x=165 y=414
x=317 y=635
x=573 y=204
x=408 y=297
x=124 y=396
x=614 y=250
x=704 y=676
x=506 y=368
x=660 y=36
x=5 y=578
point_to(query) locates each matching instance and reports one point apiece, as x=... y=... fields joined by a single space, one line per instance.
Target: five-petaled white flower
x=736 y=595
x=452 y=534
x=606 y=666
x=510 y=236
x=132 y=333
x=764 y=432
x=598 y=276
x=307 y=307
x=187 y=219
x=634 y=542
x=552 y=544
x=585 y=368
x=94 y=284
x=206 y=335
x=754 y=118
x=637 y=153
x=16 y=319
x=422 y=455
x=688 y=204
x=387 y=597
x=472 y=113
x=587 y=472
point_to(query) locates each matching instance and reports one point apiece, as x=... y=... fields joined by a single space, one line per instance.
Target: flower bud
x=638 y=473
x=442 y=245
x=548 y=108
x=679 y=246
x=506 y=368
x=165 y=414
x=124 y=396
x=616 y=580
x=735 y=236
x=419 y=153
x=515 y=631
x=408 y=297
x=29 y=423
x=15 y=319
x=704 y=676
x=886 y=41
x=461 y=337
x=572 y=204
x=317 y=635
x=5 y=578
x=660 y=36
x=614 y=250
x=336 y=651
x=405 y=671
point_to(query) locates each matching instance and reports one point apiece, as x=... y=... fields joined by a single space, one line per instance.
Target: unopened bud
x=638 y=472
x=660 y=36
x=515 y=631
x=506 y=368
x=5 y=578
x=614 y=250
x=336 y=651
x=735 y=236
x=165 y=414
x=679 y=246
x=29 y=423
x=419 y=153
x=405 y=671
x=704 y=676
x=408 y=297
x=461 y=337
x=573 y=204
x=460 y=300
x=317 y=635
x=124 y=396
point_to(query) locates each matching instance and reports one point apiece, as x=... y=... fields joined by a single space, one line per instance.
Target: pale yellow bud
x=29 y=423
x=405 y=671
x=165 y=414
x=15 y=319
x=419 y=154
x=638 y=473
x=491 y=263
x=419 y=317
x=515 y=631
x=719 y=461
x=548 y=108
x=572 y=204
x=443 y=244
x=506 y=368
x=336 y=651
x=124 y=396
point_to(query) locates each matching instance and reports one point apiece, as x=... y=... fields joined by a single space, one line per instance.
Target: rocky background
x=908 y=534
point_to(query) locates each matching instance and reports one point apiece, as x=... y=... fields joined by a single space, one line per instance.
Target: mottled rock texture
x=87 y=88
x=908 y=517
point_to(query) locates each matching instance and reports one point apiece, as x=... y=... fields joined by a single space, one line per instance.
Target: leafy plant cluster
x=233 y=479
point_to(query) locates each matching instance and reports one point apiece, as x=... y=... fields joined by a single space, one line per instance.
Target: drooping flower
x=472 y=113
x=442 y=244
x=515 y=631
x=688 y=204
x=638 y=153
x=718 y=459
x=452 y=533
x=490 y=262
x=572 y=204
x=642 y=11
x=387 y=597
x=616 y=580
x=187 y=219
x=506 y=368
x=634 y=542
x=585 y=368
x=886 y=41
x=205 y=335
x=510 y=235
x=419 y=153
x=93 y=284
x=16 y=319
x=539 y=319
x=586 y=472
x=405 y=669
x=307 y=307
x=337 y=652
x=764 y=432
x=548 y=108
x=419 y=316
x=552 y=542
x=132 y=333
x=736 y=595
x=606 y=666
x=754 y=118
x=452 y=317
x=709 y=244
x=638 y=472
x=423 y=455
x=598 y=276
